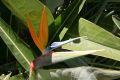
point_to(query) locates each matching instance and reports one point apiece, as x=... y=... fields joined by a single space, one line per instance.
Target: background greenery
x=65 y=20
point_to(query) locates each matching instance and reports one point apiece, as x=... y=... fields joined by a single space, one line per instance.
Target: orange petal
x=34 y=36
x=43 y=28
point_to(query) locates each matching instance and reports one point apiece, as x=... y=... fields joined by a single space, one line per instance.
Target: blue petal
x=55 y=45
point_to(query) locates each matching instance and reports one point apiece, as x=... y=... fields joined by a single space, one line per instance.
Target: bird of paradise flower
x=41 y=40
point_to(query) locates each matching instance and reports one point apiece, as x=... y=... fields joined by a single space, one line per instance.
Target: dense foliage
x=82 y=37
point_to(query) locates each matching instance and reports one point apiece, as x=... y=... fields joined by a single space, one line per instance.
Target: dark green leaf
x=21 y=52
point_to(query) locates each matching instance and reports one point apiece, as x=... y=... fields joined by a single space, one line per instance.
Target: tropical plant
x=41 y=41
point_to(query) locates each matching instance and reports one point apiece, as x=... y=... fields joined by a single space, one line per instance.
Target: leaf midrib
x=15 y=45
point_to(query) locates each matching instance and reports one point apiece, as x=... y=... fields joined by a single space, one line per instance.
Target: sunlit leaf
x=32 y=8
x=98 y=38
x=97 y=34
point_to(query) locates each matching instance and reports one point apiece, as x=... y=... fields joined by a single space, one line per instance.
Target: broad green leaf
x=32 y=8
x=116 y=21
x=66 y=18
x=22 y=53
x=98 y=35
x=98 y=38
x=90 y=45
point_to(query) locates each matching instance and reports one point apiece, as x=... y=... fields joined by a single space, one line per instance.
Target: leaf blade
x=97 y=34
x=97 y=38
x=32 y=8
x=17 y=48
